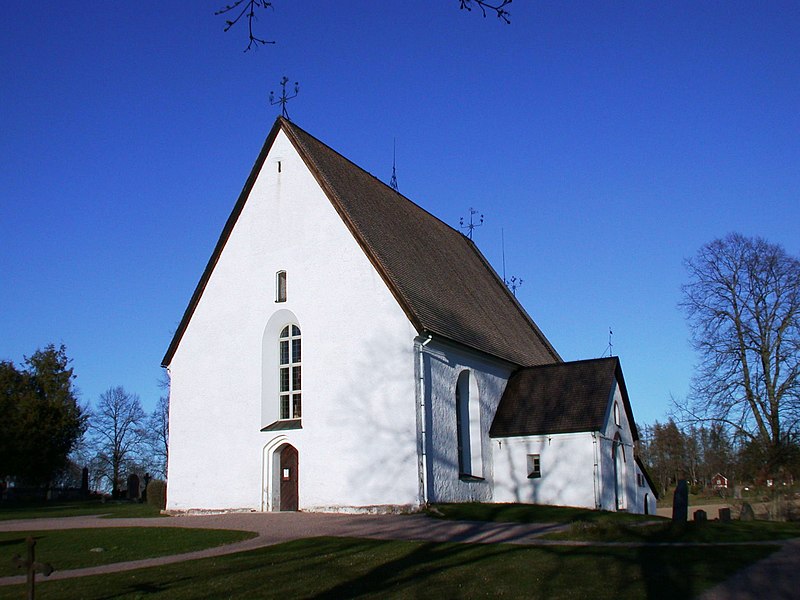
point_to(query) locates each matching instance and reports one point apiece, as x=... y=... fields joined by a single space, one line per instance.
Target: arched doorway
x=288 y=475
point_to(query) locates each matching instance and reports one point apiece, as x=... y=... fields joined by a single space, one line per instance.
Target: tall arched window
x=290 y=381
x=468 y=427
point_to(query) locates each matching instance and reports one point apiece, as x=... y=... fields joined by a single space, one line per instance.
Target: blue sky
x=608 y=141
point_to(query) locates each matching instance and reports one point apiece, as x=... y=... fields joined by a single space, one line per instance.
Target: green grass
x=348 y=568
x=529 y=513
x=713 y=532
x=76 y=508
x=72 y=548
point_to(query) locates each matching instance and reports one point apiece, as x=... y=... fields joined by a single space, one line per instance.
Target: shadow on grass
x=327 y=568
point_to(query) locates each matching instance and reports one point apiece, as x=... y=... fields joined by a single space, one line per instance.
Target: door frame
x=271 y=473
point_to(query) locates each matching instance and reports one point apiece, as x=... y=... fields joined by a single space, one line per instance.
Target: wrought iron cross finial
x=513 y=284
x=470 y=227
x=610 y=347
x=393 y=180
x=283 y=97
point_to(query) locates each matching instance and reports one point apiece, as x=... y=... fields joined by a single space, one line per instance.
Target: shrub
x=157 y=493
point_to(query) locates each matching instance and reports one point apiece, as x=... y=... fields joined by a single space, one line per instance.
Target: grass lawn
x=75 y=508
x=665 y=532
x=347 y=568
x=529 y=513
x=72 y=548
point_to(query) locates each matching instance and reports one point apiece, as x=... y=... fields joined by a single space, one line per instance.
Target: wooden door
x=289 y=497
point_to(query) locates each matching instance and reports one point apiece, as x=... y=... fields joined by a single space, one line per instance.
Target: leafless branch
x=248 y=9
x=240 y=9
x=497 y=7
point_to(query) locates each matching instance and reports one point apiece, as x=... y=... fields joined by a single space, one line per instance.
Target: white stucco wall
x=576 y=468
x=567 y=469
x=633 y=495
x=357 y=445
x=443 y=363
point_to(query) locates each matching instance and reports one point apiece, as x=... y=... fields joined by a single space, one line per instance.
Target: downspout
x=596 y=476
x=422 y=446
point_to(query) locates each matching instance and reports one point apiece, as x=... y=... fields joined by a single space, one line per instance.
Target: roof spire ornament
x=470 y=227
x=513 y=284
x=283 y=97
x=610 y=347
x=393 y=180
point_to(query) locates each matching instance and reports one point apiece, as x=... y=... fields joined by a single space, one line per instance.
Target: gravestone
x=680 y=502
x=133 y=486
x=85 y=482
x=144 y=489
x=700 y=515
x=725 y=515
x=747 y=513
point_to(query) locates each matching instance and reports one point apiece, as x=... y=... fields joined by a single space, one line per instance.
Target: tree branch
x=248 y=9
x=497 y=7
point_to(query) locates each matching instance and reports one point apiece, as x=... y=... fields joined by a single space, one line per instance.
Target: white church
x=345 y=350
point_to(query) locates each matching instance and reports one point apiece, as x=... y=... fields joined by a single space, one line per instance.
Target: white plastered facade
x=593 y=470
x=357 y=444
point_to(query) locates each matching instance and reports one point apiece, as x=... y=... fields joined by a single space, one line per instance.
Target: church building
x=345 y=350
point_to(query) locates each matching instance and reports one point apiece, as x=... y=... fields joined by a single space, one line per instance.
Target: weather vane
x=513 y=284
x=470 y=227
x=284 y=98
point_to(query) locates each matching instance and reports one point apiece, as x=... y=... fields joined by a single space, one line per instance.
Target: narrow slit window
x=534 y=466
x=280 y=286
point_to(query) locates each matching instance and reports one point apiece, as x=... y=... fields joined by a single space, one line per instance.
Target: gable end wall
x=358 y=361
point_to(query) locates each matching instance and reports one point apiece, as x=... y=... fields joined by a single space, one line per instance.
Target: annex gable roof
x=438 y=276
x=566 y=397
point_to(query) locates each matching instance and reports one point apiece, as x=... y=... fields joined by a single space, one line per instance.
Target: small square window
x=534 y=466
x=280 y=286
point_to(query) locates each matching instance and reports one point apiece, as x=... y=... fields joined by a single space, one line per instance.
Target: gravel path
x=274 y=528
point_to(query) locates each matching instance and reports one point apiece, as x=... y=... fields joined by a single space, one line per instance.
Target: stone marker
x=133 y=486
x=700 y=515
x=747 y=513
x=680 y=502
x=85 y=482
x=725 y=515
x=144 y=489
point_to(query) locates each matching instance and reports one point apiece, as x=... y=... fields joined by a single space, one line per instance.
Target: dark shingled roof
x=438 y=276
x=560 y=398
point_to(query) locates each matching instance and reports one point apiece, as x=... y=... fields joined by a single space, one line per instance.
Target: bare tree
x=117 y=427
x=743 y=306
x=250 y=9
x=158 y=437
